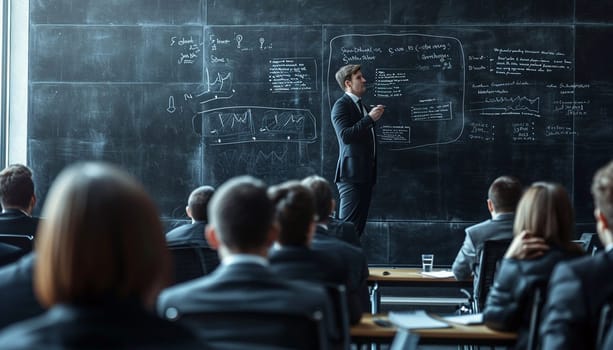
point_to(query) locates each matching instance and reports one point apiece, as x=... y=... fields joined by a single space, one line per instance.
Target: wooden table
x=367 y=332
x=405 y=277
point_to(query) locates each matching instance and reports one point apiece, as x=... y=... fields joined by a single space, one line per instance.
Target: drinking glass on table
x=427 y=261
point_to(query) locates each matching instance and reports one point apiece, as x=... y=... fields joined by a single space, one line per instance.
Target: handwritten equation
x=189 y=49
x=292 y=74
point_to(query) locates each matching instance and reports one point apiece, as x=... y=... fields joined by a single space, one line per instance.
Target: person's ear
x=273 y=234
x=32 y=203
x=490 y=205
x=211 y=237
x=332 y=209
x=188 y=211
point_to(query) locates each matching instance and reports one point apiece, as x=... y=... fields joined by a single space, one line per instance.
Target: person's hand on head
x=526 y=245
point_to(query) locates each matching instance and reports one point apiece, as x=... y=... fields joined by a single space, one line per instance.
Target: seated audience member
x=341 y=229
x=18 y=200
x=242 y=229
x=503 y=195
x=293 y=258
x=100 y=261
x=353 y=257
x=544 y=211
x=18 y=301
x=579 y=289
x=196 y=209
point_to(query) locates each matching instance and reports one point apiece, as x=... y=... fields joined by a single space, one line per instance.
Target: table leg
x=375 y=299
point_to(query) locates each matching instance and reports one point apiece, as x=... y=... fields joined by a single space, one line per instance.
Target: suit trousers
x=354 y=202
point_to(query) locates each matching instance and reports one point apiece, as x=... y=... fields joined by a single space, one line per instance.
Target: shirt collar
x=244 y=258
x=354 y=98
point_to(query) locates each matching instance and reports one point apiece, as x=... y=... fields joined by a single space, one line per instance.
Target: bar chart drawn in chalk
x=244 y=124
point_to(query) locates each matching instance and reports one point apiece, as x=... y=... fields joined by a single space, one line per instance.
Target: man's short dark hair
x=323 y=195
x=345 y=73
x=505 y=192
x=241 y=213
x=16 y=186
x=602 y=190
x=198 y=202
x=295 y=212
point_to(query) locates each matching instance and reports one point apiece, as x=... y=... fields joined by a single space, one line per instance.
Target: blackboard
x=191 y=92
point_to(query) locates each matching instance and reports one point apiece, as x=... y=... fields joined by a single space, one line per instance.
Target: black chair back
x=25 y=242
x=264 y=329
x=338 y=297
x=493 y=251
x=591 y=242
x=538 y=301
x=192 y=262
x=604 y=323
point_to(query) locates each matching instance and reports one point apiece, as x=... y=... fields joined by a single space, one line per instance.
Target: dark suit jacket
x=305 y=264
x=192 y=233
x=355 y=260
x=17 y=300
x=356 y=160
x=16 y=222
x=9 y=253
x=509 y=302
x=343 y=230
x=242 y=286
x=466 y=263
x=578 y=290
x=246 y=287
x=106 y=326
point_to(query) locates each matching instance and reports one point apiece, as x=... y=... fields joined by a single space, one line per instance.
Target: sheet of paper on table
x=465 y=319
x=438 y=274
x=415 y=320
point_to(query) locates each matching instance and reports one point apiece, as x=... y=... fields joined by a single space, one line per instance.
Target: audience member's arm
x=502 y=305
x=564 y=317
x=526 y=246
x=461 y=268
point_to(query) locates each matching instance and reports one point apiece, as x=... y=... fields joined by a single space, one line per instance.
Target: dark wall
x=191 y=92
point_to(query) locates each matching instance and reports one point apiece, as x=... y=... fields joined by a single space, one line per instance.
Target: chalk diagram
x=254 y=124
x=420 y=78
x=508 y=106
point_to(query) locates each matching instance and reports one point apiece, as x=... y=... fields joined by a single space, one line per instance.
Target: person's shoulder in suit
x=190 y=233
x=16 y=222
x=18 y=301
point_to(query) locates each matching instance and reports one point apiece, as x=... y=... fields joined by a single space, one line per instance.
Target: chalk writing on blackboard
x=292 y=74
x=244 y=124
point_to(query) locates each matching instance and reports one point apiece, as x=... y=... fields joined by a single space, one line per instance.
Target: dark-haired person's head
x=101 y=240
x=345 y=73
x=324 y=200
x=602 y=191
x=295 y=213
x=17 y=188
x=198 y=202
x=504 y=194
x=545 y=211
x=241 y=218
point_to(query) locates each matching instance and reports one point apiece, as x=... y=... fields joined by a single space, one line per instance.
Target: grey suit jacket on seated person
x=192 y=233
x=578 y=290
x=466 y=264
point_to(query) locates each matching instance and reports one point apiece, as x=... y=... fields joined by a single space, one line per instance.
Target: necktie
x=361 y=107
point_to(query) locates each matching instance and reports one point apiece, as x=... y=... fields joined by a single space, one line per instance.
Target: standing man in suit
x=503 y=195
x=579 y=289
x=197 y=210
x=18 y=200
x=356 y=169
x=242 y=229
